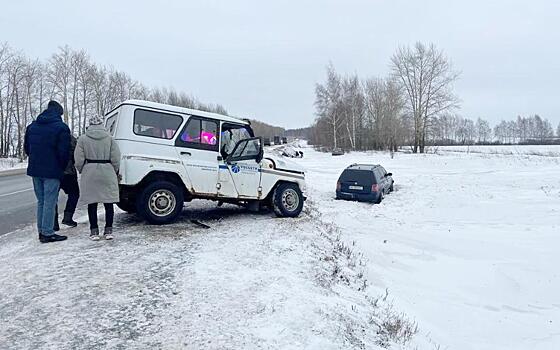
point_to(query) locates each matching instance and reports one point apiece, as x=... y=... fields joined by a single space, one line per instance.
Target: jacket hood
x=97 y=132
x=50 y=115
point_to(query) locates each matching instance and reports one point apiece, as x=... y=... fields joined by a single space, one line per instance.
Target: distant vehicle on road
x=364 y=182
x=337 y=152
x=284 y=140
x=277 y=140
x=266 y=141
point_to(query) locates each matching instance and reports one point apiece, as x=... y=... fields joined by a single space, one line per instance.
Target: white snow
x=472 y=241
x=466 y=246
x=11 y=163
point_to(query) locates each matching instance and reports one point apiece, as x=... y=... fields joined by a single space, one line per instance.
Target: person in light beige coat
x=97 y=158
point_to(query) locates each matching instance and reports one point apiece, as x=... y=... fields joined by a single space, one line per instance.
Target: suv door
x=383 y=177
x=197 y=147
x=244 y=166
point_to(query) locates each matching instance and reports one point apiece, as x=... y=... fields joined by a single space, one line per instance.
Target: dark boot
x=67 y=220
x=51 y=238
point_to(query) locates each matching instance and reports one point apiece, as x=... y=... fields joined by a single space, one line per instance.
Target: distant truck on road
x=277 y=140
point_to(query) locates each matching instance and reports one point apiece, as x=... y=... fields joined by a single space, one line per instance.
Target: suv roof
x=182 y=110
x=363 y=166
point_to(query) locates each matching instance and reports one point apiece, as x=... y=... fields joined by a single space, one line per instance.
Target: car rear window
x=360 y=176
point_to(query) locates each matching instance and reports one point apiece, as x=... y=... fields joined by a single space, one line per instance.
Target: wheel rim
x=162 y=203
x=290 y=199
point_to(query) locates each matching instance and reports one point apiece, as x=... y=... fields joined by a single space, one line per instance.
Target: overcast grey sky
x=262 y=59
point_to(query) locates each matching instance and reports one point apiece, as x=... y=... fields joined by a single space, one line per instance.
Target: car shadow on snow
x=196 y=216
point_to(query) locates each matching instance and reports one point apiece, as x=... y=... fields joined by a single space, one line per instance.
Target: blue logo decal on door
x=235 y=168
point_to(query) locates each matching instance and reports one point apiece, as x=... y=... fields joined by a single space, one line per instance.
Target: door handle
x=185 y=153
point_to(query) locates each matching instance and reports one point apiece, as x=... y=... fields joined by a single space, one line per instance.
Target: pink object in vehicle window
x=208 y=138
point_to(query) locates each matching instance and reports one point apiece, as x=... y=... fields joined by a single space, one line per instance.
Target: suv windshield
x=364 y=177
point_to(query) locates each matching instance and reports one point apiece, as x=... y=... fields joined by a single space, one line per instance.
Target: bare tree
x=426 y=75
x=328 y=102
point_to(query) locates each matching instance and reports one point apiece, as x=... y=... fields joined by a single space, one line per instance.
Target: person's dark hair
x=56 y=107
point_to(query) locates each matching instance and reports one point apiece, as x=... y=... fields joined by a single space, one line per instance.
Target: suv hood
x=283 y=164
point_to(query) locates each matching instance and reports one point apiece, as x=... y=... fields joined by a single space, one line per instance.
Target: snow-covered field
x=517 y=150
x=467 y=244
x=466 y=247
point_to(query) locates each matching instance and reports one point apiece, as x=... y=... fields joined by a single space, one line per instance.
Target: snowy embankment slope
x=252 y=281
x=467 y=244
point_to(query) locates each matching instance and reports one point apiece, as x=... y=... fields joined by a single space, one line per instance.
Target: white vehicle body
x=189 y=149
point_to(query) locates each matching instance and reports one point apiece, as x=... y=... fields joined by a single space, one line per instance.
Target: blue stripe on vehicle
x=222 y=166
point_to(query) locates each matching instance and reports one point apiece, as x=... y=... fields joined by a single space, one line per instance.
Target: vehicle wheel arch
x=159 y=175
x=278 y=183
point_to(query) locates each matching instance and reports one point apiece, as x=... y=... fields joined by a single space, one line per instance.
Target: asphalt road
x=18 y=202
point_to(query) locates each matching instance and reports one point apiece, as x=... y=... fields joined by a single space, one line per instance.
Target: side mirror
x=389 y=174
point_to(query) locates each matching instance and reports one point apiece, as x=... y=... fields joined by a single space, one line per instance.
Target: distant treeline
x=415 y=105
x=266 y=130
x=81 y=86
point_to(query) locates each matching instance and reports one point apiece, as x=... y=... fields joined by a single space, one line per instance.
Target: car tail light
x=375 y=188
x=338 y=186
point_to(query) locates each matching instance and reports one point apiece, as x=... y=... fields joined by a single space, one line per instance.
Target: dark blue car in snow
x=364 y=182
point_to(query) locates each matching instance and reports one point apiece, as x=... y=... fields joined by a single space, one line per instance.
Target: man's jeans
x=46 y=191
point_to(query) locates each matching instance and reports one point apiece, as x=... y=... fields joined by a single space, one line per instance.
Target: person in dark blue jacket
x=47 y=144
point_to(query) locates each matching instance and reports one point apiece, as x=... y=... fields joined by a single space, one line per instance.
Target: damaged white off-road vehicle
x=171 y=155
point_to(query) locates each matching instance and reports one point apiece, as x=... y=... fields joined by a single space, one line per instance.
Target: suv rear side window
x=363 y=177
x=111 y=123
x=199 y=133
x=156 y=124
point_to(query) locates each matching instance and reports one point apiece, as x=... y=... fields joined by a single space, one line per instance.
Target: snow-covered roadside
x=11 y=163
x=467 y=244
x=252 y=281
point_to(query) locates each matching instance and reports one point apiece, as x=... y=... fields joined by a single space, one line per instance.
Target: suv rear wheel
x=287 y=200
x=160 y=202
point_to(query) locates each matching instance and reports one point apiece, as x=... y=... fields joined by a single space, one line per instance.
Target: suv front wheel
x=160 y=202
x=287 y=200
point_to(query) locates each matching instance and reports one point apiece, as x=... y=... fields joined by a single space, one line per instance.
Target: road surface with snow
x=466 y=248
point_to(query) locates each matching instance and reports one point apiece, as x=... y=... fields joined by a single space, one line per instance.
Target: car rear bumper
x=361 y=197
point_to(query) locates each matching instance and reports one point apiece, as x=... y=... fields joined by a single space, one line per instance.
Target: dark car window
x=364 y=177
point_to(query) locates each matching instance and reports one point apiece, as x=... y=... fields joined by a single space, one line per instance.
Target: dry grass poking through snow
x=346 y=265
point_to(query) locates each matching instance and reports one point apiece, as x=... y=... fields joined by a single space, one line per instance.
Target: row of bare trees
x=383 y=113
x=415 y=105
x=532 y=129
x=71 y=77
x=358 y=115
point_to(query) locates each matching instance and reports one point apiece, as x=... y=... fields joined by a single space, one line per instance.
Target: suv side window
x=156 y=124
x=111 y=122
x=199 y=133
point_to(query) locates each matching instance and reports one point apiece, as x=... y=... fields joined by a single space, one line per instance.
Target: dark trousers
x=92 y=214
x=69 y=185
